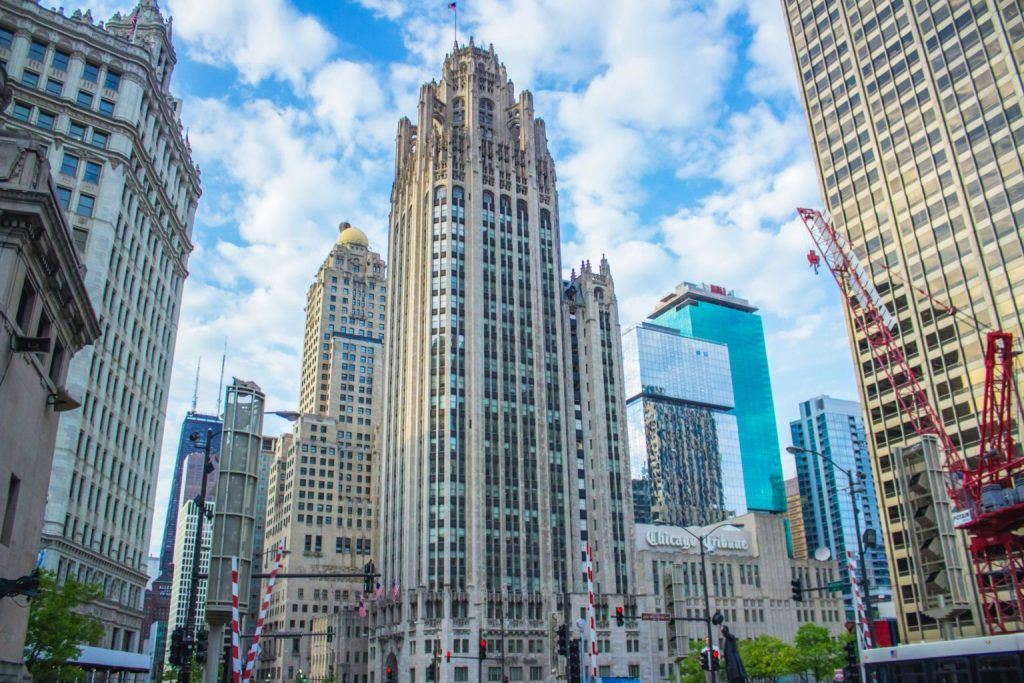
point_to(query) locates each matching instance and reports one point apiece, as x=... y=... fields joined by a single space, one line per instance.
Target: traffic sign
x=655 y=616
x=836 y=586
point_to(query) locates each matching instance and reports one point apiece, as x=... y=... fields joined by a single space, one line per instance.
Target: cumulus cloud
x=260 y=38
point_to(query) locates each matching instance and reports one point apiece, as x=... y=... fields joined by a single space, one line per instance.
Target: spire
x=220 y=383
x=195 y=391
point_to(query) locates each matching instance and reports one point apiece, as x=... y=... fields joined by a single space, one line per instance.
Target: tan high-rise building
x=795 y=515
x=504 y=440
x=321 y=491
x=914 y=110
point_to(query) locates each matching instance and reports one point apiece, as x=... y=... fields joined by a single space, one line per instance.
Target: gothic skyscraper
x=503 y=445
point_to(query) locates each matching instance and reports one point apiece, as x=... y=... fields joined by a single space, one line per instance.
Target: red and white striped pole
x=254 y=649
x=235 y=659
x=863 y=628
x=591 y=618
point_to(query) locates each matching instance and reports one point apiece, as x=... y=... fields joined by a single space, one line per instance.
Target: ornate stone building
x=46 y=319
x=98 y=97
x=503 y=443
x=322 y=487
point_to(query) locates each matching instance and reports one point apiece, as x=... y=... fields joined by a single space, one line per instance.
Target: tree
x=767 y=658
x=817 y=652
x=689 y=667
x=56 y=630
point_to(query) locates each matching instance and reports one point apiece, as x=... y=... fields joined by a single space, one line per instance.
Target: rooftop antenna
x=220 y=384
x=195 y=391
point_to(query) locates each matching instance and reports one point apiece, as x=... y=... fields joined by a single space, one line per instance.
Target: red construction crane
x=988 y=493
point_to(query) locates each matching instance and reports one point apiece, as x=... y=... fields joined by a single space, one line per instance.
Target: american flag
x=394 y=590
x=362 y=606
x=378 y=591
x=452 y=6
x=135 y=23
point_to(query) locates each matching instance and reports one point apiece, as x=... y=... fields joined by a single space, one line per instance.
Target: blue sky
x=679 y=142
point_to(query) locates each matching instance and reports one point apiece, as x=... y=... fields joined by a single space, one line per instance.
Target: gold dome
x=349 y=234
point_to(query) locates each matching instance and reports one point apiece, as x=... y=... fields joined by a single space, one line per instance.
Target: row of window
x=55 y=87
x=61 y=61
x=47 y=120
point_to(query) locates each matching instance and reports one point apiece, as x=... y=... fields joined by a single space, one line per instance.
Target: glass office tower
x=714 y=314
x=834 y=428
x=684 y=445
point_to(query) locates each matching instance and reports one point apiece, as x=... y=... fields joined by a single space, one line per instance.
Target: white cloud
x=260 y=38
x=773 y=72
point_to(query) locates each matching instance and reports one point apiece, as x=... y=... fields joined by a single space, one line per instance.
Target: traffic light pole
x=188 y=641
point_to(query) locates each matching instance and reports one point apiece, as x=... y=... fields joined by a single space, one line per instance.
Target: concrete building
x=685 y=458
x=715 y=314
x=47 y=318
x=340 y=647
x=322 y=488
x=184 y=559
x=259 y=546
x=504 y=455
x=834 y=428
x=748 y=580
x=98 y=96
x=915 y=123
x=795 y=517
x=234 y=510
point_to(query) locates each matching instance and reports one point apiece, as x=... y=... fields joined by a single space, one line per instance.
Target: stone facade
x=322 y=479
x=748 y=571
x=98 y=95
x=504 y=456
x=42 y=295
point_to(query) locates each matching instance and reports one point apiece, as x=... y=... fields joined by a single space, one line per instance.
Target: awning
x=103 y=659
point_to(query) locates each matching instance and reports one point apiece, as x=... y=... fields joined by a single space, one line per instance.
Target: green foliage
x=56 y=631
x=767 y=658
x=817 y=652
x=689 y=668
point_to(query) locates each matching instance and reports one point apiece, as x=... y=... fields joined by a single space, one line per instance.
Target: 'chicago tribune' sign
x=669 y=538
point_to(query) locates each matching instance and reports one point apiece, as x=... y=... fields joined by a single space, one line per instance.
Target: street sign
x=840 y=675
x=655 y=616
x=836 y=586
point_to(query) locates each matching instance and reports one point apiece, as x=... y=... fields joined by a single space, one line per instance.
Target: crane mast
x=988 y=493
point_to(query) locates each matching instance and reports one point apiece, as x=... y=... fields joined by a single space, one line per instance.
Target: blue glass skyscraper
x=835 y=428
x=714 y=314
x=194 y=423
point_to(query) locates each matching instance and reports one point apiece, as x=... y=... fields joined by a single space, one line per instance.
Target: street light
x=795 y=450
x=704 y=580
x=185 y=672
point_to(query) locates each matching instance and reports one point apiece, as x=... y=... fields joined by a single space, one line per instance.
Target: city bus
x=992 y=659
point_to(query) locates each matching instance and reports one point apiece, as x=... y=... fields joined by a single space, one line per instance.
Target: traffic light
x=201 y=645
x=330 y=634
x=572 y=666
x=448 y=656
x=432 y=672
x=483 y=648
x=368 y=578
x=851 y=672
x=563 y=640
x=620 y=616
x=798 y=591
x=710 y=659
x=389 y=675
x=175 y=654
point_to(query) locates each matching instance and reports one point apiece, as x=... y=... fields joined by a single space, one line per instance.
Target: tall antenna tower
x=195 y=391
x=220 y=384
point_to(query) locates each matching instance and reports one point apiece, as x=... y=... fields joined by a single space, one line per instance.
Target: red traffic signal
x=448 y=655
x=483 y=648
x=620 y=616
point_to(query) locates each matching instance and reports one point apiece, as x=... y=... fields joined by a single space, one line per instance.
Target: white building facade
x=98 y=96
x=184 y=560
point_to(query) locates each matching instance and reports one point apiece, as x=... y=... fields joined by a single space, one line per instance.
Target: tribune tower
x=493 y=457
